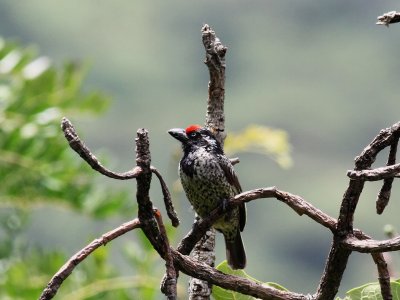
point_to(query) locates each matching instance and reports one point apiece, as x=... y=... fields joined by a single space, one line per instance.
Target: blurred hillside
x=321 y=70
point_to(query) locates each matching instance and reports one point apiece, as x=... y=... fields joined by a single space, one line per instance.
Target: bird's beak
x=179 y=134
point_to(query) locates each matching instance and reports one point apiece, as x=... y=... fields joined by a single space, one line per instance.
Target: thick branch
x=151 y=222
x=241 y=285
x=371 y=246
x=203 y=252
x=375 y=174
x=215 y=61
x=145 y=206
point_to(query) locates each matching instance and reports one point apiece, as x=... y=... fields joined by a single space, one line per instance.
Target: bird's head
x=195 y=136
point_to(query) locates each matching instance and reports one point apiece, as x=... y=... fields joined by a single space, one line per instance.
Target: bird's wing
x=230 y=174
x=232 y=178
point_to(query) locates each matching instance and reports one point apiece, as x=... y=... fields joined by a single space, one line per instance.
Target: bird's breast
x=204 y=183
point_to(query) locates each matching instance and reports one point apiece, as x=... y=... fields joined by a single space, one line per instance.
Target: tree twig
x=167 y=199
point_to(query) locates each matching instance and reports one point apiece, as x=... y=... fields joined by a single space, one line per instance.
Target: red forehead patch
x=192 y=128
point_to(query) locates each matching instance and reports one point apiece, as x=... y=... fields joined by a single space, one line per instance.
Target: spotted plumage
x=208 y=178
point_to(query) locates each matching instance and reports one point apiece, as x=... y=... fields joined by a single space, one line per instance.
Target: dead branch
x=79 y=147
x=167 y=199
x=375 y=174
x=338 y=256
x=215 y=61
x=372 y=246
x=52 y=287
x=231 y=282
x=384 y=194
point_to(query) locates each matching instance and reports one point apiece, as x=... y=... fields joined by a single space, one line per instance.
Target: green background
x=321 y=70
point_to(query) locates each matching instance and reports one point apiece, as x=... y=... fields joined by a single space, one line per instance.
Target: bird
x=209 y=180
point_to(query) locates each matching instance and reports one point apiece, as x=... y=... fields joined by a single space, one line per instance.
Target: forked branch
x=346 y=238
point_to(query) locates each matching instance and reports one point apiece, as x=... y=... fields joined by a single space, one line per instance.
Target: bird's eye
x=194 y=135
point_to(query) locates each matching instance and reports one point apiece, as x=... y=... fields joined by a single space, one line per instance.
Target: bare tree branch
x=384 y=194
x=338 y=256
x=145 y=206
x=167 y=199
x=52 y=287
x=202 y=252
x=151 y=222
x=344 y=241
x=385 y=138
x=79 y=147
x=371 y=246
x=383 y=275
x=375 y=174
x=215 y=61
x=235 y=283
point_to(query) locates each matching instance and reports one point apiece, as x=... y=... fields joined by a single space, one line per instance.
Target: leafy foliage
x=34 y=158
x=37 y=167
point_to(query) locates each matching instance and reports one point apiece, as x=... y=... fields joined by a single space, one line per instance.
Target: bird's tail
x=235 y=254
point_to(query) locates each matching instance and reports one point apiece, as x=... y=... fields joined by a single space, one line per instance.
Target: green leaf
x=372 y=291
x=221 y=294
